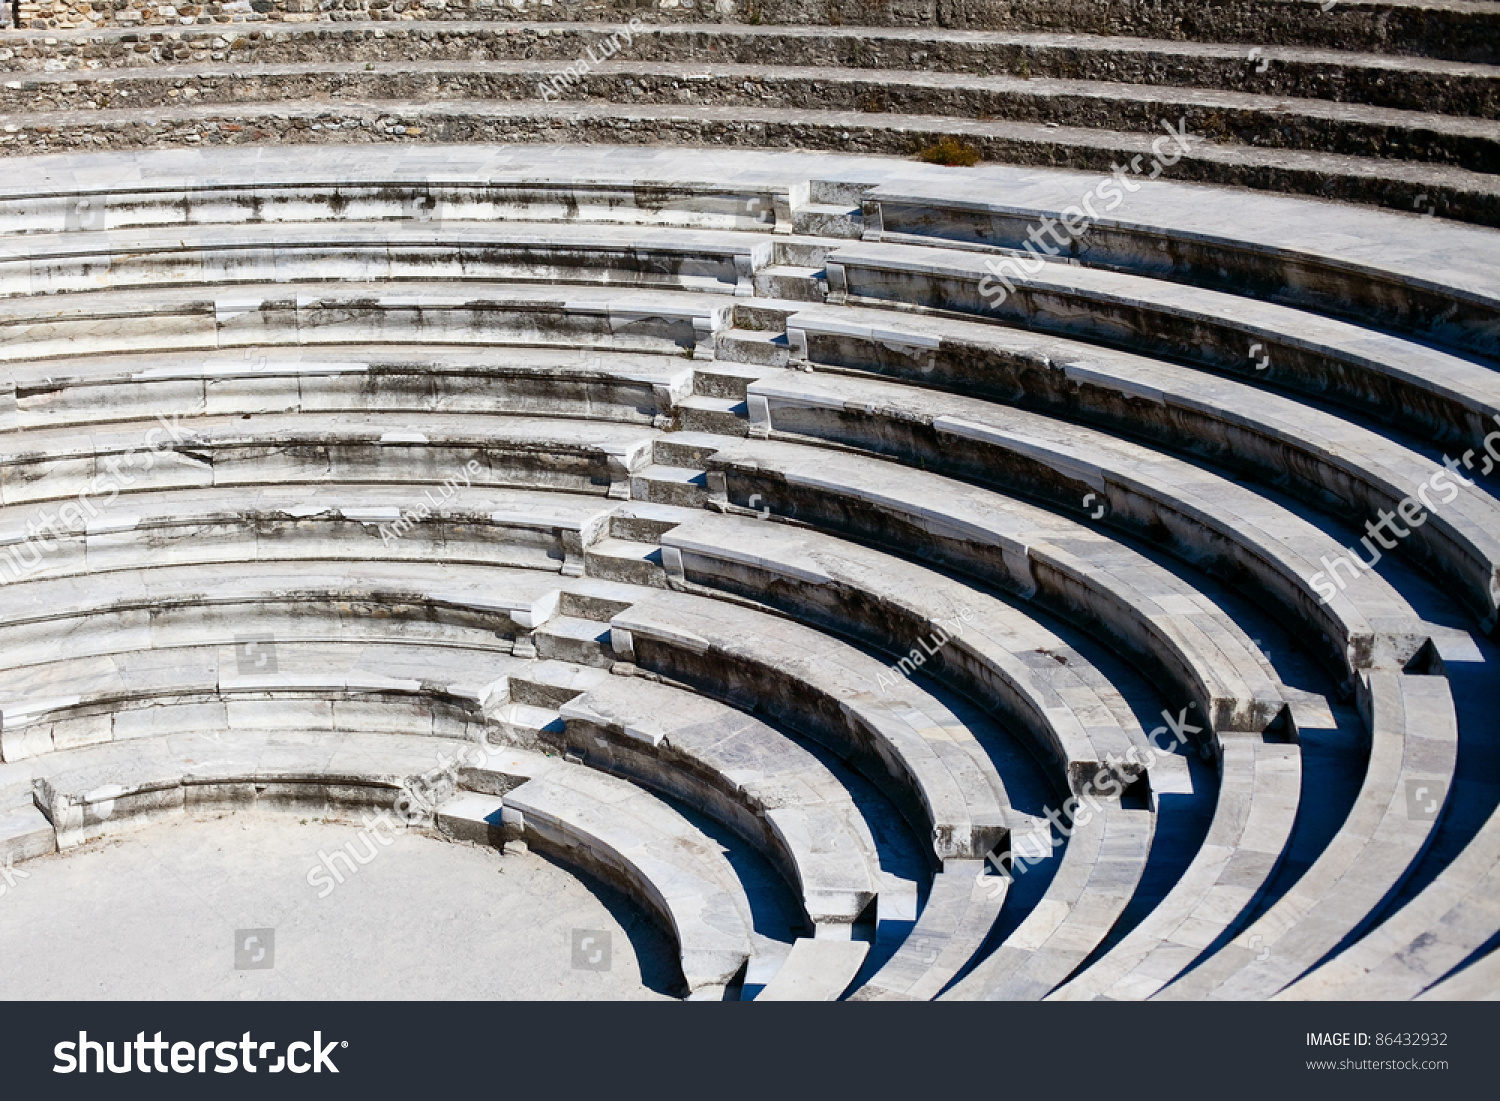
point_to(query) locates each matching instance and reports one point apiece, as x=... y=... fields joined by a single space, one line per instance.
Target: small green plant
x=950 y=151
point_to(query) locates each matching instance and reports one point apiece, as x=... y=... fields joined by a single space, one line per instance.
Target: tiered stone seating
x=1045 y=558
x=627 y=837
x=637 y=389
x=719 y=502
x=1359 y=127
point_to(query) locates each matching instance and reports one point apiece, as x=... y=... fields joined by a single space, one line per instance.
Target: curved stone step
x=742 y=771
x=1403 y=185
x=1333 y=464
x=1450 y=920
x=1420 y=275
x=815 y=971
x=474 y=607
x=252 y=683
x=1413 y=83
x=1428 y=392
x=961 y=909
x=92 y=792
x=1204 y=519
x=374 y=184
x=1159 y=618
x=181 y=318
x=526 y=529
x=443 y=251
x=904 y=740
x=542 y=452
x=1248 y=119
x=1259 y=786
x=1100 y=868
x=552 y=382
x=637 y=842
x=1413 y=746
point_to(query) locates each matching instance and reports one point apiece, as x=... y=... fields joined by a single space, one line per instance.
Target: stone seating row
x=476 y=607
x=433 y=450
x=445 y=251
x=1246 y=118
x=1423 y=29
x=1333 y=464
x=536 y=382
x=1413 y=745
x=1432 y=394
x=1424 y=276
x=1062 y=565
x=202 y=319
x=251 y=682
x=527 y=529
x=1456 y=193
x=1417 y=83
x=1350 y=263
x=1207 y=520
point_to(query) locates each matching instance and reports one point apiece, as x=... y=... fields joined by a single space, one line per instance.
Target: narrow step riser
x=583 y=606
x=668 y=493
x=794 y=288
x=624 y=571
x=803 y=254
x=817 y=223
x=708 y=385
x=723 y=424
x=729 y=348
x=540 y=695
x=639 y=529
x=667 y=452
x=577 y=651
x=837 y=192
x=757 y=317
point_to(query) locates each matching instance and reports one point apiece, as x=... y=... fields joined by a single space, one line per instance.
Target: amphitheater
x=588 y=433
